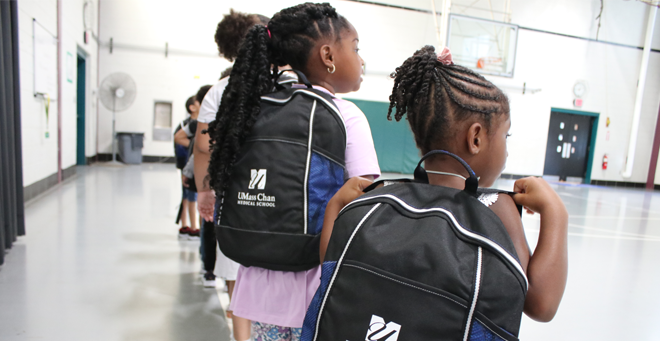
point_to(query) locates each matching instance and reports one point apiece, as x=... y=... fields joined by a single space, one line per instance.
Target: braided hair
x=288 y=40
x=437 y=96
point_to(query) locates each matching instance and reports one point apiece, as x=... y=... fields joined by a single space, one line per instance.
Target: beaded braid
x=437 y=96
x=288 y=39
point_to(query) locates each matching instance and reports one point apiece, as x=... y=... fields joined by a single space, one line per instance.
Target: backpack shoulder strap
x=287 y=93
x=486 y=191
x=388 y=182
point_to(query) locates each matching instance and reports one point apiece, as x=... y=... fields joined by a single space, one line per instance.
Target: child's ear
x=475 y=138
x=327 y=56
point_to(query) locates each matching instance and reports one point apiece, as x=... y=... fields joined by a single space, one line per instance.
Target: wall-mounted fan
x=117 y=93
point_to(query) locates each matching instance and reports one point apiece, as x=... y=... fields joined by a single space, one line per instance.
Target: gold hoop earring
x=333 y=69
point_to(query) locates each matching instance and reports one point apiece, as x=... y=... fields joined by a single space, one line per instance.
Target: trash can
x=130 y=147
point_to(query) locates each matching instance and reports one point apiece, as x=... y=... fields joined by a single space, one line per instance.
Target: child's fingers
x=523 y=199
x=208 y=217
x=519 y=198
x=206 y=213
x=520 y=186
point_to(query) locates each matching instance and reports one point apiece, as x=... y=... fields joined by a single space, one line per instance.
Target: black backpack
x=416 y=262
x=180 y=152
x=292 y=163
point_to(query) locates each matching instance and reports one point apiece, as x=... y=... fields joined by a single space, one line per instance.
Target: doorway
x=571 y=138
x=81 y=160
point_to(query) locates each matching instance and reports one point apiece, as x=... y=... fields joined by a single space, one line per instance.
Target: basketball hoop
x=486 y=63
x=651 y=2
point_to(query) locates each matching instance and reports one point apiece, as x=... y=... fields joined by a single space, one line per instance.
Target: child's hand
x=547 y=269
x=206 y=204
x=184 y=181
x=352 y=189
x=536 y=195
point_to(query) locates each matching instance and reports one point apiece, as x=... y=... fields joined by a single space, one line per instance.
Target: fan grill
x=118 y=91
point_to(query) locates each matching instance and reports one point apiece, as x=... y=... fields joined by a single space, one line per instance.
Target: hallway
x=101 y=261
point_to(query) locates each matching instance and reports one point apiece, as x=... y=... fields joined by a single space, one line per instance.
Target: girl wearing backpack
x=228 y=36
x=313 y=39
x=454 y=109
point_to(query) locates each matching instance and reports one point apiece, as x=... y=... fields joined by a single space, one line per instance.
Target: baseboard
x=622 y=184
x=145 y=158
x=32 y=191
x=158 y=159
x=105 y=157
x=68 y=172
x=513 y=176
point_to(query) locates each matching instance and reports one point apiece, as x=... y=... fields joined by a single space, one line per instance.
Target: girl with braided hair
x=314 y=39
x=228 y=36
x=454 y=109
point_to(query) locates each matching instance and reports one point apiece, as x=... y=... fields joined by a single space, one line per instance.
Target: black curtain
x=12 y=215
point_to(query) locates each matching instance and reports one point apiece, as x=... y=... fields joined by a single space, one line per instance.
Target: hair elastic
x=267 y=29
x=444 y=56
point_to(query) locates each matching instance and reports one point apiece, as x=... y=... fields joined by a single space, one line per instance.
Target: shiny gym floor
x=101 y=261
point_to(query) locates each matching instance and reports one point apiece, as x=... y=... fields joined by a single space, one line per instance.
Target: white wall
x=555 y=63
x=387 y=37
x=73 y=28
x=39 y=152
x=551 y=62
x=149 y=24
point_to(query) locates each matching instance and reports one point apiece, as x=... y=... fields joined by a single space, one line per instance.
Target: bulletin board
x=45 y=61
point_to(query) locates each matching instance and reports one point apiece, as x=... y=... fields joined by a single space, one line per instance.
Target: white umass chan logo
x=381 y=331
x=257 y=178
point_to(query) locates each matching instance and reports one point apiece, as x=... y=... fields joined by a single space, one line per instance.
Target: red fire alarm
x=577 y=102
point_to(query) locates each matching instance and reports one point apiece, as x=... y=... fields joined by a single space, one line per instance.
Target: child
x=314 y=39
x=454 y=109
x=181 y=148
x=228 y=36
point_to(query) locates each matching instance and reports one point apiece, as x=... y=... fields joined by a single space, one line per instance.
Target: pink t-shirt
x=282 y=297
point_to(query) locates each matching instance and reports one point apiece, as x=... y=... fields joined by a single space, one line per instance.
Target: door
x=80 y=102
x=569 y=138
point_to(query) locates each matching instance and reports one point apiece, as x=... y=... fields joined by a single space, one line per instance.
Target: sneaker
x=209 y=280
x=193 y=234
x=183 y=232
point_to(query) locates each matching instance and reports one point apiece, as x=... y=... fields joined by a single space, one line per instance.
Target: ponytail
x=288 y=40
x=250 y=79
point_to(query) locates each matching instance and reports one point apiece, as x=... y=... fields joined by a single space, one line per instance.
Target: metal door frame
x=592 y=139
x=82 y=56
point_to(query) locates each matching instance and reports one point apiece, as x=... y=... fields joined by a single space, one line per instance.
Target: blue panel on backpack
x=481 y=333
x=309 y=325
x=325 y=179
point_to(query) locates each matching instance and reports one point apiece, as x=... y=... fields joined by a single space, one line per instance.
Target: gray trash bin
x=130 y=147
